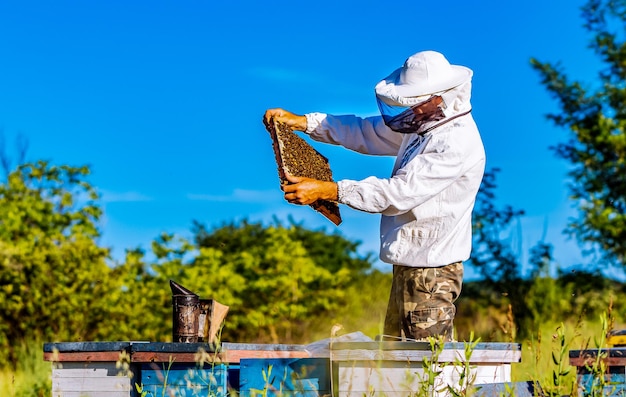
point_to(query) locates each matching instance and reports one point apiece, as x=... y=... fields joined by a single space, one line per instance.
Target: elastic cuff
x=313 y=121
x=342 y=191
x=339 y=192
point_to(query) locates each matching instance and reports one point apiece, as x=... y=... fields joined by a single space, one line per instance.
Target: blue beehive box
x=517 y=389
x=298 y=377
x=184 y=380
x=613 y=380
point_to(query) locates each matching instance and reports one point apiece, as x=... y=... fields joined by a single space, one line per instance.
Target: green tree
x=493 y=257
x=596 y=119
x=532 y=296
x=289 y=276
x=139 y=305
x=53 y=273
x=492 y=254
x=277 y=285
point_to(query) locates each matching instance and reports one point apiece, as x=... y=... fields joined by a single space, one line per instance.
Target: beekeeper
x=426 y=205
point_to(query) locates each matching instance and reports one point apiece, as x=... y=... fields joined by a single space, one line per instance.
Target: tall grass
x=31 y=376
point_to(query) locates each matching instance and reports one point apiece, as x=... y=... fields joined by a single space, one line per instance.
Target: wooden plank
x=82 y=356
x=262 y=346
x=589 y=361
x=235 y=356
x=85 y=351
x=172 y=347
x=613 y=352
x=399 y=345
x=140 y=346
x=165 y=357
x=86 y=346
x=81 y=369
x=229 y=356
x=478 y=356
x=90 y=393
x=112 y=383
x=211 y=348
x=612 y=356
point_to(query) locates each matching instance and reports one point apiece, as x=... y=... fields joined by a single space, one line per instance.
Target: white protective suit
x=427 y=203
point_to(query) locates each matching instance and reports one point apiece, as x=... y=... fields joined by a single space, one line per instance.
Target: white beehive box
x=94 y=379
x=396 y=369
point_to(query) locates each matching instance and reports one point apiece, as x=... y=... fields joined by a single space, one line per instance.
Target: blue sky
x=164 y=100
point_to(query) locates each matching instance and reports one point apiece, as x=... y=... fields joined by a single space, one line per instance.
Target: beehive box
x=91 y=369
x=181 y=379
x=286 y=377
x=104 y=379
x=393 y=369
x=396 y=369
x=88 y=369
x=614 y=377
x=296 y=157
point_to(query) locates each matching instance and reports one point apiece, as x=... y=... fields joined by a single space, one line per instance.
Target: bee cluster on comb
x=296 y=157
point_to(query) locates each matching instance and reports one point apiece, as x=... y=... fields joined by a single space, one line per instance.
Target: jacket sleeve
x=364 y=135
x=422 y=178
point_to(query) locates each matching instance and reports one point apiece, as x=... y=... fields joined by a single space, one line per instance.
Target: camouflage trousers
x=421 y=303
